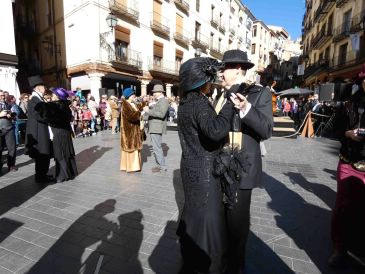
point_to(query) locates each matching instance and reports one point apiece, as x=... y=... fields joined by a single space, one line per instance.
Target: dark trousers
x=238 y=226
x=8 y=136
x=41 y=166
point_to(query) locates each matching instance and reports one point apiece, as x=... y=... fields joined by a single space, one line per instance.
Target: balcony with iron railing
x=316 y=68
x=214 y=22
x=216 y=50
x=160 y=24
x=248 y=42
x=232 y=33
x=341 y=32
x=222 y=28
x=182 y=37
x=249 y=24
x=163 y=66
x=321 y=38
x=200 y=41
x=340 y=3
x=120 y=9
x=323 y=9
x=182 y=5
x=349 y=59
x=126 y=59
x=357 y=23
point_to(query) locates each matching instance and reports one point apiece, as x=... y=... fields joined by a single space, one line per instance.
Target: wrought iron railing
x=182 y=37
x=127 y=57
x=321 y=37
x=340 y=3
x=162 y=65
x=129 y=11
x=182 y=5
x=160 y=24
x=201 y=40
x=341 y=31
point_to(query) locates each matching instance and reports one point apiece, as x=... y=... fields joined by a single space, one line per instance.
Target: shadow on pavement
x=17 y=193
x=146 y=152
x=333 y=173
x=87 y=157
x=165 y=149
x=94 y=239
x=7 y=227
x=306 y=224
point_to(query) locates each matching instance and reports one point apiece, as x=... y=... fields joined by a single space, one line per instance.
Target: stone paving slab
x=131 y=219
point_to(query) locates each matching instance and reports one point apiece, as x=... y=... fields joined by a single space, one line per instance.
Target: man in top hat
x=7 y=133
x=157 y=122
x=37 y=139
x=256 y=125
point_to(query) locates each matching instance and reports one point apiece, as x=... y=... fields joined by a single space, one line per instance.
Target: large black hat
x=35 y=80
x=236 y=56
x=197 y=71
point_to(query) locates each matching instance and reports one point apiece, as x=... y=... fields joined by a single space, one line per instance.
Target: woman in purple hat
x=58 y=115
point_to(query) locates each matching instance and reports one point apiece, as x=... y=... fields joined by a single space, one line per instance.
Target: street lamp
x=198 y=52
x=111 y=20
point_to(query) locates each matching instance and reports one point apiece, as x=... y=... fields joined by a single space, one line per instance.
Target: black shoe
x=12 y=168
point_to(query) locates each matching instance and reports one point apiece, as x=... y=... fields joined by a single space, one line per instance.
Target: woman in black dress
x=202 y=134
x=58 y=115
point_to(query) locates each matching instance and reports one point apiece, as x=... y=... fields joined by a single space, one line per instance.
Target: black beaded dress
x=201 y=228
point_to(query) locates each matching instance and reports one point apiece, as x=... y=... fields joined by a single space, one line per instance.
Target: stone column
x=95 y=84
x=144 y=84
x=168 y=90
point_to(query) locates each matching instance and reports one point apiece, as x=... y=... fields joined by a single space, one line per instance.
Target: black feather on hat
x=197 y=71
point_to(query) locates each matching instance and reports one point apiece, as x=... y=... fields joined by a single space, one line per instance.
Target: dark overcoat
x=257 y=126
x=37 y=141
x=201 y=229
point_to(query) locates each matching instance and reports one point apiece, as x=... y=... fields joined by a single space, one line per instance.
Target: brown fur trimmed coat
x=131 y=135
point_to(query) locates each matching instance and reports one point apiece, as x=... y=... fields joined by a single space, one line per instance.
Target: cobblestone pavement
x=125 y=223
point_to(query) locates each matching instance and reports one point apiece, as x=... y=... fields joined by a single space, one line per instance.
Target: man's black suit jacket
x=257 y=126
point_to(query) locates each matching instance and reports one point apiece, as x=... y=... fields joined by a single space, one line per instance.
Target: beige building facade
x=333 y=40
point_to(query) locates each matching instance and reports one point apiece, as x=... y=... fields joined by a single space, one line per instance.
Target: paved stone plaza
x=125 y=223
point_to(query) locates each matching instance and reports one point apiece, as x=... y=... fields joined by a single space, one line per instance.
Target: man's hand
x=240 y=102
x=352 y=134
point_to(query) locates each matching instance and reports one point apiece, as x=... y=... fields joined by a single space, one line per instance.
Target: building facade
x=333 y=40
x=70 y=43
x=8 y=56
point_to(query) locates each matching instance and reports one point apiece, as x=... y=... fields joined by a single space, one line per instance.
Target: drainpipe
x=55 y=43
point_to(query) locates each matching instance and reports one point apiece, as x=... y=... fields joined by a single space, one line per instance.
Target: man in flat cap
x=157 y=123
x=37 y=139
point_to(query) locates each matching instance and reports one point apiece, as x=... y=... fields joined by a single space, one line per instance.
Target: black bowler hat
x=236 y=56
x=35 y=80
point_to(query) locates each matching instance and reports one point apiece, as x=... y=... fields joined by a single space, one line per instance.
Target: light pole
x=198 y=52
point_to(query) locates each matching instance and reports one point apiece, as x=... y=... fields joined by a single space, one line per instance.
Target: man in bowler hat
x=256 y=125
x=37 y=143
x=157 y=123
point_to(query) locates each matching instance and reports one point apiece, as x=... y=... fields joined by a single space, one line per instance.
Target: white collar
x=36 y=94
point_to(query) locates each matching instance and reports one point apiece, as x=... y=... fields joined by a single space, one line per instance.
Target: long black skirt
x=201 y=229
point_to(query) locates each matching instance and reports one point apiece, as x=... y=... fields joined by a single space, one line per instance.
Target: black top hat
x=35 y=80
x=236 y=56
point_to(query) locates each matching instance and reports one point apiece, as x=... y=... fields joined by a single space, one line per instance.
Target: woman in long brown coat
x=131 y=135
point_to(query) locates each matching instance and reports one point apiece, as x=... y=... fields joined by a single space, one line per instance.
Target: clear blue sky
x=284 y=13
